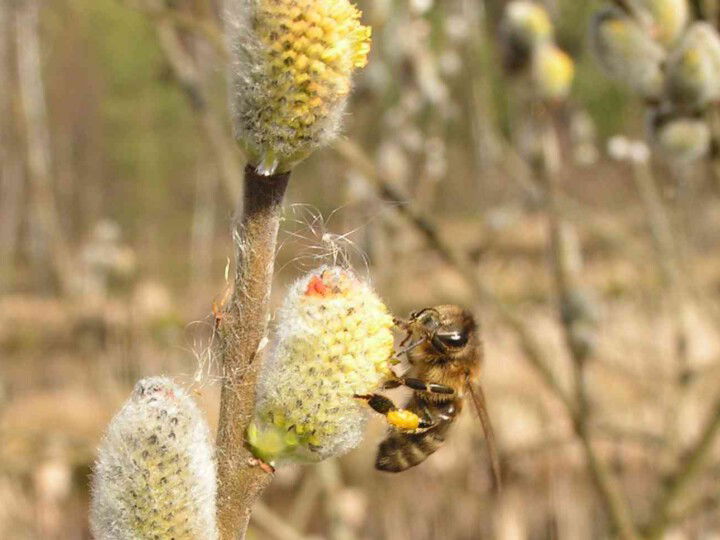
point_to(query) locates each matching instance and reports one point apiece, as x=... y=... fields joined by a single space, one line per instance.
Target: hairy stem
x=242 y=331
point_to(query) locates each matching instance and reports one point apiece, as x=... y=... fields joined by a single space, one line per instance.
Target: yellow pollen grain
x=403 y=419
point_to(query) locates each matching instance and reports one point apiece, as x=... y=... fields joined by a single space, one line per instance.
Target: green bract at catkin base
x=155 y=473
x=293 y=62
x=334 y=340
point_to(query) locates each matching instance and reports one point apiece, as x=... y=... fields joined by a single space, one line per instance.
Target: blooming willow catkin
x=693 y=69
x=334 y=340
x=552 y=72
x=682 y=140
x=293 y=61
x=525 y=26
x=627 y=53
x=155 y=473
x=668 y=18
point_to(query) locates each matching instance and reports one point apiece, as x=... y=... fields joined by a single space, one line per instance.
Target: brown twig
x=575 y=325
x=689 y=468
x=242 y=331
x=187 y=75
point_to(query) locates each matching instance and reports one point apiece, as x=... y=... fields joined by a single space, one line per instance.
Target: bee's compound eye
x=453 y=338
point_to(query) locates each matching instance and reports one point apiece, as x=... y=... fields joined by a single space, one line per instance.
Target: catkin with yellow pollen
x=293 y=65
x=553 y=72
x=334 y=341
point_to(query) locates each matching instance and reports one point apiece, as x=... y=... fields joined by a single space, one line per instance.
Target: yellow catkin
x=693 y=68
x=667 y=18
x=334 y=341
x=294 y=62
x=553 y=72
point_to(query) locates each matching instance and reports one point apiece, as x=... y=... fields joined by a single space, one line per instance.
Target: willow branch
x=188 y=78
x=575 y=325
x=688 y=470
x=242 y=329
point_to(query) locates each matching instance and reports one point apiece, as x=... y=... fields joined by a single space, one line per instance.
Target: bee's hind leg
x=402 y=419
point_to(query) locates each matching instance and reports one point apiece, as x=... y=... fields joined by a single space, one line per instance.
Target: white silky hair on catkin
x=250 y=90
x=155 y=473
x=277 y=374
x=326 y=350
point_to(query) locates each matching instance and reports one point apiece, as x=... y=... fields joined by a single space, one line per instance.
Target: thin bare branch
x=689 y=467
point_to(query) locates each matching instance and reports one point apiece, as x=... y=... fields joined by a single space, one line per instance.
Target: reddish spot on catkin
x=316 y=287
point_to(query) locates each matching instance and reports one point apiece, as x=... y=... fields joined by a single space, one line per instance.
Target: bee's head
x=448 y=329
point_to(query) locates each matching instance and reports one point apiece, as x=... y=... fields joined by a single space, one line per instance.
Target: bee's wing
x=478 y=397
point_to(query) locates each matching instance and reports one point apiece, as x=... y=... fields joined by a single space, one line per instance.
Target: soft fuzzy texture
x=291 y=74
x=627 y=53
x=155 y=473
x=667 y=18
x=683 y=140
x=693 y=69
x=334 y=340
x=553 y=72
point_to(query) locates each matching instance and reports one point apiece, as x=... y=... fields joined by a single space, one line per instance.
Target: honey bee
x=444 y=349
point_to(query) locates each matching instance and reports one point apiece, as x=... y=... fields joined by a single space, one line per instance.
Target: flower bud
x=293 y=61
x=693 y=69
x=155 y=473
x=553 y=72
x=682 y=140
x=334 y=341
x=668 y=18
x=525 y=25
x=627 y=53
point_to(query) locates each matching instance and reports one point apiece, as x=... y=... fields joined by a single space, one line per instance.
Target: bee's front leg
x=402 y=419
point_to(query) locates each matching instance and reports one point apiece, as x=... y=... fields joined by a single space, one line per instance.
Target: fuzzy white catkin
x=627 y=53
x=155 y=473
x=667 y=18
x=693 y=69
x=683 y=140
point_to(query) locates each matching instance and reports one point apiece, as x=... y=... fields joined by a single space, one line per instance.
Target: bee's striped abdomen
x=401 y=451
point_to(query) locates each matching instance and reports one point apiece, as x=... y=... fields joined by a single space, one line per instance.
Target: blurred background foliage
x=121 y=136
